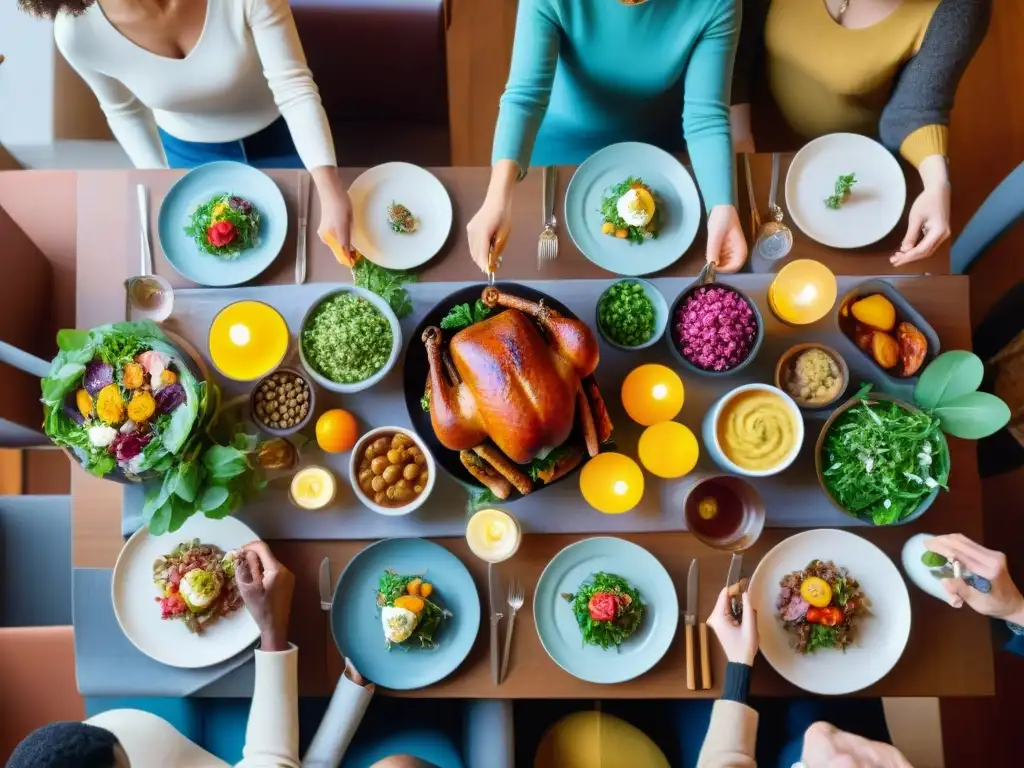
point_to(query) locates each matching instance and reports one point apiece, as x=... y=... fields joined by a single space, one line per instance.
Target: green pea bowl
x=632 y=314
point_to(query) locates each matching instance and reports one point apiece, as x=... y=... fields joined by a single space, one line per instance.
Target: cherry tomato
x=828 y=617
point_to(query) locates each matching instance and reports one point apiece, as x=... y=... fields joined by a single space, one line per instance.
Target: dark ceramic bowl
x=670 y=331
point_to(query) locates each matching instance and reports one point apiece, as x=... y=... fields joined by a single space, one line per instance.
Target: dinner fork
x=515 y=602
x=547 y=246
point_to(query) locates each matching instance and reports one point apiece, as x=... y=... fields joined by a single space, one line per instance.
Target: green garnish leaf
x=386 y=283
x=949 y=376
x=480 y=498
x=840 y=590
x=464 y=315
x=822 y=637
x=425 y=401
x=844 y=185
x=540 y=465
x=973 y=416
x=933 y=559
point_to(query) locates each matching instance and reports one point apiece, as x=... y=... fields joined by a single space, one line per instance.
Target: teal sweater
x=589 y=73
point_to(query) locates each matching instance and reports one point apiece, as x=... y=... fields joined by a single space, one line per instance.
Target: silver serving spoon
x=775 y=240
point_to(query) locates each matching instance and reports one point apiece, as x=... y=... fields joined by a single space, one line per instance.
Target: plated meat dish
x=197 y=584
x=607 y=608
x=509 y=390
x=407 y=611
x=818 y=606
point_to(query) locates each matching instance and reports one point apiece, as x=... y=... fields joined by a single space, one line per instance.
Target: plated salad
x=225 y=226
x=818 y=606
x=121 y=397
x=197 y=584
x=407 y=612
x=608 y=610
x=401 y=220
x=629 y=211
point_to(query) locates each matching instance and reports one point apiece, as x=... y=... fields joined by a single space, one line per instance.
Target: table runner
x=793 y=498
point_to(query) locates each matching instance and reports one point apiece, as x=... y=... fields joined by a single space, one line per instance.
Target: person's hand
x=336 y=222
x=727 y=248
x=929 y=226
x=1003 y=601
x=738 y=638
x=742 y=135
x=266 y=587
x=825 y=746
x=490 y=226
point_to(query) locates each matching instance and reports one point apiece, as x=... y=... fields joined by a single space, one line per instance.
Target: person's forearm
x=934 y=171
x=504 y=176
x=327 y=182
x=344 y=713
x=272 y=734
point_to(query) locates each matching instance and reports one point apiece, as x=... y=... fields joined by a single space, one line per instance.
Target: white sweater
x=247 y=69
x=272 y=734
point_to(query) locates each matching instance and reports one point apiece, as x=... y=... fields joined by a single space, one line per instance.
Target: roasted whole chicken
x=522 y=379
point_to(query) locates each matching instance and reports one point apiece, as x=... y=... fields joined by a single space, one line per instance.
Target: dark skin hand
x=266 y=586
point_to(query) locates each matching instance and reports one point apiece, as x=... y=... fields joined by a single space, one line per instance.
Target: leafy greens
x=606 y=634
x=844 y=185
x=386 y=283
x=464 y=315
x=392 y=586
x=882 y=460
x=610 y=211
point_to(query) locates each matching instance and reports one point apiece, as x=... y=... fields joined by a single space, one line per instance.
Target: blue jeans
x=270 y=148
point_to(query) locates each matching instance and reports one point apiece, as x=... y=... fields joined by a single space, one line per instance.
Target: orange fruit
x=336 y=431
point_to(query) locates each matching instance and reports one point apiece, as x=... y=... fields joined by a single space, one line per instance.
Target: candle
x=248 y=339
x=612 y=483
x=668 y=449
x=803 y=292
x=652 y=393
x=313 y=487
x=493 y=535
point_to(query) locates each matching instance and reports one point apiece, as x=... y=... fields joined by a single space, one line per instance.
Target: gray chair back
x=1000 y=211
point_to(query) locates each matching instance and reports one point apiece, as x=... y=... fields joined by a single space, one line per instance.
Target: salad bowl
x=941 y=459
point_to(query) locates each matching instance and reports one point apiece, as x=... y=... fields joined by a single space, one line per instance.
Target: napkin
x=107 y=664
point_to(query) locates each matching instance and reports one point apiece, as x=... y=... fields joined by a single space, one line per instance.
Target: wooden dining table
x=949 y=652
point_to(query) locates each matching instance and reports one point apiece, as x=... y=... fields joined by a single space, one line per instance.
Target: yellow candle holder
x=247 y=340
x=803 y=292
x=612 y=483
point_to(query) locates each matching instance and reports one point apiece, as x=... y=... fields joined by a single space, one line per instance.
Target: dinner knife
x=692 y=588
x=326 y=596
x=146 y=252
x=496 y=599
x=735 y=588
x=300 y=248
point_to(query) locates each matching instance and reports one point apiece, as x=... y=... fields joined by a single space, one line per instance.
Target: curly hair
x=66 y=745
x=49 y=9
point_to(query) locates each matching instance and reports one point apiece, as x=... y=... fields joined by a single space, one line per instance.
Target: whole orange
x=336 y=431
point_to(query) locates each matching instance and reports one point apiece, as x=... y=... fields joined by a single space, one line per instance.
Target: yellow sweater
x=894 y=79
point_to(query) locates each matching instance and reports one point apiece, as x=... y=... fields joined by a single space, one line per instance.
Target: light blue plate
x=674 y=191
x=557 y=627
x=195 y=188
x=355 y=617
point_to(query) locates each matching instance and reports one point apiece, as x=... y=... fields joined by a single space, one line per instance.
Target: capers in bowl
x=282 y=403
x=391 y=472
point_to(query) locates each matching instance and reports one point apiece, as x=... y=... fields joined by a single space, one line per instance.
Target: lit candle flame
x=239 y=334
x=620 y=488
x=806 y=295
x=659 y=391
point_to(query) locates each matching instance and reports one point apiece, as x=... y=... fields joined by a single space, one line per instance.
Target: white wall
x=26 y=77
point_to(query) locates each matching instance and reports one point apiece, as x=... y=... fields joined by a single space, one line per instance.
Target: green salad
x=224 y=226
x=843 y=188
x=626 y=314
x=347 y=339
x=882 y=460
x=608 y=610
x=629 y=211
x=407 y=611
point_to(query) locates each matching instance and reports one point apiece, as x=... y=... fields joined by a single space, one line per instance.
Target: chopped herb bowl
x=343 y=340
x=907 y=502
x=632 y=309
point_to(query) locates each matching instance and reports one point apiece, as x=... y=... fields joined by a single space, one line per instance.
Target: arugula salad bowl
x=881 y=460
x=344 y=340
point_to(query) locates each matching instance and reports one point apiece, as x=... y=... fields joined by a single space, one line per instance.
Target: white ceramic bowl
x=353 y=471
x=880 y=635
x=396 y=341
x=714 y=448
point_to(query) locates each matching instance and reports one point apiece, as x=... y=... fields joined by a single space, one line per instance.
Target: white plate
x=419 y=191
x=875 y=205
x=881 y=635
x=133 y=593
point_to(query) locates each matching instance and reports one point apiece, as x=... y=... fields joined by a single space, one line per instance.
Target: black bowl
x=417 y=369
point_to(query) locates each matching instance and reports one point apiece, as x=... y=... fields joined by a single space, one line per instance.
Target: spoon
x=775 y=239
